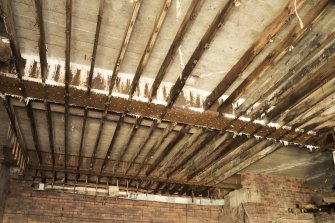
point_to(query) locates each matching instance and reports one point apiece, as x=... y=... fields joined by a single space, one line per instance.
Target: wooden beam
x=198 y=147
x=41 y=41
x=144 y=142
x=50 y=131
x=183 y=28
x=125 y=148
x=150 y=45
x=97 y=140
x=309 y=85
x=258 y=46
x=15 y=126
x=95 y=45
x=30 y=115
x=67 y=77
x=157 y=144
x=111 y=145
x=12 y=36
x=219 y=20
x=294 y=36
x=82 y=138
x=125 y=43
x=168 y=149
x=301 y=67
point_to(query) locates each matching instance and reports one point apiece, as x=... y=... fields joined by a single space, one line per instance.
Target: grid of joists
x=231 y=155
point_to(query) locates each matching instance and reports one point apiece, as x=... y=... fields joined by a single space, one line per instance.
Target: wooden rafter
x=219 y=20
x=168 y=149
x=67 y=78
x=155 y=147
x=30 y=115
x=294 y=36
x=82 y=138
x=184 y=27
x=41 y=41
x=95 y=45
x=125 y=148
x=97 y=140
x=150 y=45
x=144 y=142
x=125 y=43
x=50 y=132
x=258 y=46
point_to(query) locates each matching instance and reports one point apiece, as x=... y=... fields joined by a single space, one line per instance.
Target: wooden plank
x=150 y=45
x=294 y=36
x=168 y=149
x=125 y=43
x=41 y=41
x=95 y=46
x=258 y=46
x=219 y=20
x=183 y=28
x=141 y=147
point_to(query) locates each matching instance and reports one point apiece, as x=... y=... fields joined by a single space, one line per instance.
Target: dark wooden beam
x=125 y=148
x=309 y=85
x=168 y=149
x=125 y=43
x=219 y=20
x=41 y=41
x=183 y=28
x=198 y=148
x=111 y=145
x=150 y=45
x=67 y=78
x=12 y=36
x=258 y=46
x=15 y=126
x=30 y=115
x=174 y=189
x=157 y=144
x=294 y=36
x=302 y=69
x=82 y=138
x=95 y=45
x=97 y=140
x=144 y=142
x=50 y=132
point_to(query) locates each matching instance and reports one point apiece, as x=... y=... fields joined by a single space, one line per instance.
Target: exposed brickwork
x=25 y=205
x=278 y=194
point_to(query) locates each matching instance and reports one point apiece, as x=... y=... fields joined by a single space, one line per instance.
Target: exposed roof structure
x=169 y=96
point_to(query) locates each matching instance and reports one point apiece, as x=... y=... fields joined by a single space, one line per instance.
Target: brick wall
x=24 y=205
x=276 y=196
